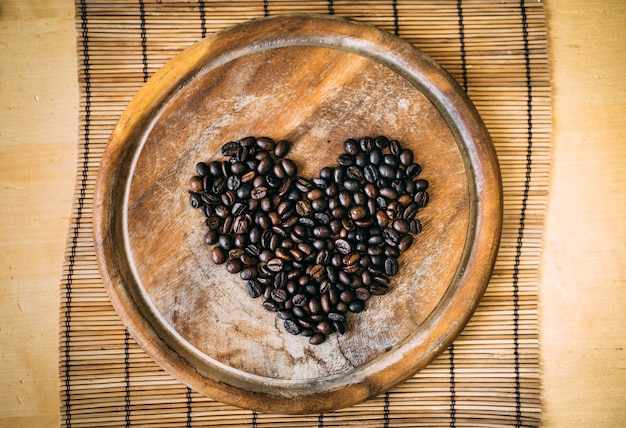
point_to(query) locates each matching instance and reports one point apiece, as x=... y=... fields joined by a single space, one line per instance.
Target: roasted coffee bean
x=357 y=212
x=391 y=266
x=271 y=305
x=336 y=316
x=265 y=143
x=316 y=271
x=317 y=338
x=254 y=288
x=421 y=198
x=405 y=243
x=345 y=160
x=292 y=327
x=392 y=236
x=249 y=272
x=279 y=295
x=343 y=246
x=415 y=226
x=219 y=255
x=195 y=200
x=351 y=146
x=354 y=172
x=275 y=265
x=401 y=225
x=356 y=306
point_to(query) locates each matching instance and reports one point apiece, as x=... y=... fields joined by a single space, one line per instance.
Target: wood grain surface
x=314 y=81
x=582 y=287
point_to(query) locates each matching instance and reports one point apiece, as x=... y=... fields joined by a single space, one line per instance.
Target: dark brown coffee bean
x=324 y=327
x=300 y=300
x=303 y=208
x=314 y=194
x=357 y=212
x=394 y=147
x=249 y=272
x=421 y=185
x=346 y=296
x=317 y=339
x=219 y=255
x=314 y=305
x=279 y=295
x=281 y=149
x=379 y=289
x=336 y=316
x=254 y=288
x=405 y=243
x=351 y=146
x=406 y=157
x=289 y=167
x=275 y=265
x=392 y=236
x=343 y=246
x=362 y=293
x=351 y=258
x=391 y=266
x=356 y=306
x=421 y=198
x=388 y=193
x=415 y=226
x=316 y=271
x=292 y=327
x=401 y=225
x=271 y=305
x=265 y=143
x=259 y=192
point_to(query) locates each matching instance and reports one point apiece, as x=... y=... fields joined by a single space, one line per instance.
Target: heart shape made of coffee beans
x=313 y=249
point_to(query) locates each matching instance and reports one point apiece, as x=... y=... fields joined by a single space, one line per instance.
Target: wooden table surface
x=583 y=271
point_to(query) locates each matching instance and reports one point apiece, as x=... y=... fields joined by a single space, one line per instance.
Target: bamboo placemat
x=496 y=49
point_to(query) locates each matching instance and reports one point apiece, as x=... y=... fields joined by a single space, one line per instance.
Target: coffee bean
x=281 y=149
x=351 y=146
x=275 y=265
x=317 y=339
x=254 y=288
x=259 y=192
x=271 y=305
x=219 y=255
x=233 y=265
x=391 y=266
x=292 y=327
x=343 y=246
x=279 y=295
x=415 y=226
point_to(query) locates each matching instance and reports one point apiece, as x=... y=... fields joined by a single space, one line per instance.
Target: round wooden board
x=315 y=81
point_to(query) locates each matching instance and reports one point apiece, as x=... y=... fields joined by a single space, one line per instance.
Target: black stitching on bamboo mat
x=320 y=420
x=254 y=416
x=188 y=397
x=522 y=221
x=459 y=9
x=386 y=410
x=266 y=8
x=202 y=19
x=144 y=40
x=396 y=21
x=79 y=212
x=331 y=10
x=126 y=378
x=452 y=388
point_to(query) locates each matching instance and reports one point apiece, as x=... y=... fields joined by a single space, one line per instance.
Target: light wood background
x=583 y=273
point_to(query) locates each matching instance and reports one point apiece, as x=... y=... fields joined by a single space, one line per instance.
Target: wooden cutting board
x=315 y=81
